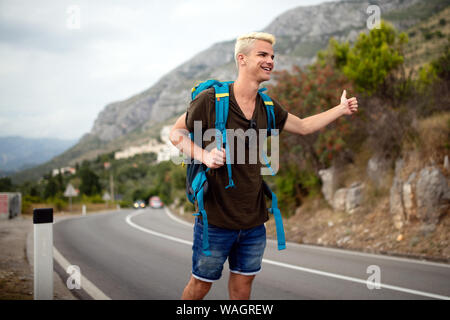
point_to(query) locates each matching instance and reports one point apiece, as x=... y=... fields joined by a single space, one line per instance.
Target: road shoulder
x=16 y=269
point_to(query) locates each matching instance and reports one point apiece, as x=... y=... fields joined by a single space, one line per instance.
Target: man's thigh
x=209 y=268
x=247 y=253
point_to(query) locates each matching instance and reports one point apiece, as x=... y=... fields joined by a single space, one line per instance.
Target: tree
x=60 y=181
x=441 y=65
x=51 y=188
x=6 y=184
x=433 y=86
x=373 y=57
x=90 y=182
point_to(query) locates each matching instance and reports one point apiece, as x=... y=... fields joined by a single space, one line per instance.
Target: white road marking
x=293 y=267
x=341 y=277
x=86 y=285
x=174 y=218
x=155 y=233
x=370 y=255
x=90 y=288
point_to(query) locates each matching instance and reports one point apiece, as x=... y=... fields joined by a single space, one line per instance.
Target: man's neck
x=245 y=88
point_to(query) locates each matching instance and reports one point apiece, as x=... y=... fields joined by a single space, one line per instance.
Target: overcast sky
x=61 y=61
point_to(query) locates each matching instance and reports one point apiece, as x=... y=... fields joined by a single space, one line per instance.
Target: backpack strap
x=201 y=210
x=274 y=209
x=277 y=215
x=222 y=101
x=270 y=122
x=203 y=86
x=270 y=111
x=199 y=185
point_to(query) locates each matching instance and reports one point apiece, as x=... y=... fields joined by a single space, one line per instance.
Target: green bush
x=58 y=203
x=125 y=204
x=372 y=58
x=96 y=198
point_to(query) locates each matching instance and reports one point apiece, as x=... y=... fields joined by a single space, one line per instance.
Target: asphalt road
x=146 y=254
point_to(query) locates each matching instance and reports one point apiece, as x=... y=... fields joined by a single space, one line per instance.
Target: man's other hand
x=215 y=158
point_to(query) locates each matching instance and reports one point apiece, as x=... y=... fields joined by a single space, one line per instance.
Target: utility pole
x=111 y=185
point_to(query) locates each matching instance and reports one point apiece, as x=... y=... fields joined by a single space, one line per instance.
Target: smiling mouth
x=266 y=68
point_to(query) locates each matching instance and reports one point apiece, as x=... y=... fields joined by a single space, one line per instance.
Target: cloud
x=212 y=10
x=54 y=80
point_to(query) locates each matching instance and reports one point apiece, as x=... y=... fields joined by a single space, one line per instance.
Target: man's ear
x=241 y=59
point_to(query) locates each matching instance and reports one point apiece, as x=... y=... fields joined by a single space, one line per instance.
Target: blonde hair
x=245 y=42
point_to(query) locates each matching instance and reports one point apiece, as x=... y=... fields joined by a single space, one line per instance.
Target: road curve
x=146 y=254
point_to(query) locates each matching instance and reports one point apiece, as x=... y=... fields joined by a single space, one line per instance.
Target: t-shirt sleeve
x=198 y=110
x=281 y=115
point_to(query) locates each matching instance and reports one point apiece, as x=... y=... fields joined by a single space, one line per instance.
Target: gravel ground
x=16 y=272
x=371 y=232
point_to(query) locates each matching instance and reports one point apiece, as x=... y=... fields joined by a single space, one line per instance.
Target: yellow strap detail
x=268 y=103
x=221 y=95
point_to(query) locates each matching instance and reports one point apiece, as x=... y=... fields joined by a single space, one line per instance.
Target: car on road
x=155 y=202
x=139 y=204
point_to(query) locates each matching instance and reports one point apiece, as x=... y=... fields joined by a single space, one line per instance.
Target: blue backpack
x=196 y=181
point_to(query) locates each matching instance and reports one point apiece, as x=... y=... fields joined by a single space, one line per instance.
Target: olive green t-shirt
x=244 y=206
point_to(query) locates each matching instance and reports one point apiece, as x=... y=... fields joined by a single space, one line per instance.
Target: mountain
x=300 y=33
x=17 y=153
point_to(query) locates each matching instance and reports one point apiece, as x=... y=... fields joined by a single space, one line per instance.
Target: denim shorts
x=243 y=248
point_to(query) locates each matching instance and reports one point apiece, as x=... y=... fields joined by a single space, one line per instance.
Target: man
x=236 y=215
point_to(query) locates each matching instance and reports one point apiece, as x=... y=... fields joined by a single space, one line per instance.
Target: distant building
x=151 y=146
x=169 y=149
x=65 y=170
x=165 y=151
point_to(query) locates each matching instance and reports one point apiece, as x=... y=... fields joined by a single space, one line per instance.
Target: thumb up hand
x=349 y=106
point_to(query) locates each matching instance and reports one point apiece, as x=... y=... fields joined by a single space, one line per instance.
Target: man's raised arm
x=316 y=122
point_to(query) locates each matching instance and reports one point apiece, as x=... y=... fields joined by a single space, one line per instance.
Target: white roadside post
x=43 y=253
x=83 y=210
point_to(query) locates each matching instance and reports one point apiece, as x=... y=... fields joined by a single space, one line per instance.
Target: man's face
x=259 y=61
